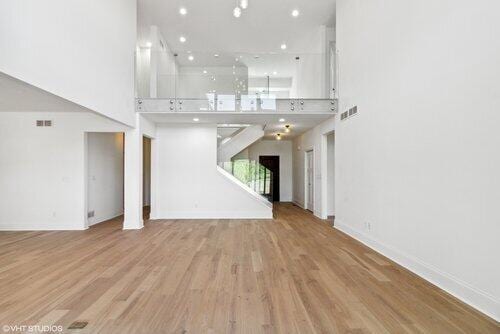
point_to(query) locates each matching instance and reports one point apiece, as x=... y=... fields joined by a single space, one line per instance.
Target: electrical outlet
x=91 y=214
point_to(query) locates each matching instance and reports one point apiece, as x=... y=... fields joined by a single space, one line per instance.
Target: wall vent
x=46 y=122
x=344 y=115
x=90 y=214
x=353 y=111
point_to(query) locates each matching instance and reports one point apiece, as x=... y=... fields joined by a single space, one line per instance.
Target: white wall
x=192 y=82
x=81 y=50
x=420 y=162
x=316 y=140
x=188 y=183
x=105 y=176
x=283 y=149
x=42 y=180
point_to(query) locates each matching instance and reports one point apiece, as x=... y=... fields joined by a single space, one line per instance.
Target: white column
x=133 y=179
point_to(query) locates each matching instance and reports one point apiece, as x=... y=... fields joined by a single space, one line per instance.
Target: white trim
x=214 y=215
x=44 y=228
x=470 y=295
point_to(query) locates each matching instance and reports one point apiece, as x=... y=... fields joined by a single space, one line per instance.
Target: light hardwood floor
x=292 y=275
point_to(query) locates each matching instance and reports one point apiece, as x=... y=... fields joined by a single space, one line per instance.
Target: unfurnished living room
x=249 y=166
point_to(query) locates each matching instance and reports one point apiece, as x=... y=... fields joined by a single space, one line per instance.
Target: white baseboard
x=214 y=215
x=470 y=295
x=17 y=228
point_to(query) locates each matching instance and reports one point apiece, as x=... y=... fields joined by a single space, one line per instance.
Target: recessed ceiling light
x=216 y=55
x=237 y=12
x=283 y=46
x=183 y=11
x=182 y=39
x=256 y=57
x=191 y=58
x=244 y=4
x=282 y=119
x=265 y=73
x=196 y=119
x=295 y=13
x=275 y=73
x=205 y=72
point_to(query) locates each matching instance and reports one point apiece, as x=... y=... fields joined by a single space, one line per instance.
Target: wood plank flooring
x=294 y=274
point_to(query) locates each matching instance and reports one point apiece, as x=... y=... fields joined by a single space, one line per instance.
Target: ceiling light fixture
x=149 y=44
x=295 y=12
x=283 y=46
x=216 y=55
x=191 y=58
x=275 y=73
x=278 y=136
x=182 y=39
x=205 y=72
x=183 y=11
x=196 y=119
x=237 y=12
x=244 y=4
x=282 y=120
x=287 y=128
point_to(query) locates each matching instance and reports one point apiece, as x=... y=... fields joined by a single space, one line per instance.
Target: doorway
x=104 y=172
x=272 y=162
x=330 y=177
x=309 y=171
x=146 y=177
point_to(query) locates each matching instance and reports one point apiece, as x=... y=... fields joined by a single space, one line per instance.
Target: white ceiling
x=299 y=123
x=210 y=26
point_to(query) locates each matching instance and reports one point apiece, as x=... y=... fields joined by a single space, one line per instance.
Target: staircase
x=251 y=174
x=239 y=142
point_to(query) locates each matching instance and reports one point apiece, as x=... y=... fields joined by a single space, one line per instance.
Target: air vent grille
x=46 y=122
x=348 y=113
x=353 y=111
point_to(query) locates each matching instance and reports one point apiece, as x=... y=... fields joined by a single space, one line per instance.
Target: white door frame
x=306 y=180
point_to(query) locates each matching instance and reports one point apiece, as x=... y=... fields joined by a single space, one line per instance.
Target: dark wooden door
x=272 y=162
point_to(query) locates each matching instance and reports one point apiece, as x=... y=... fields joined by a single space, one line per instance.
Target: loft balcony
x=234 y=83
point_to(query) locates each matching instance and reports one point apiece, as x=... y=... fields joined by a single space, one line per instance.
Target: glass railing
x=252 y=174
x=232 y=77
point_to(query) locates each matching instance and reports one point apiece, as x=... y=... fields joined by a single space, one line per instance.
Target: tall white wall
x=420 y=161
x=187 y=181
x=42 y=179
x=105 y=176
x=283 y=149
x=81 y=50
